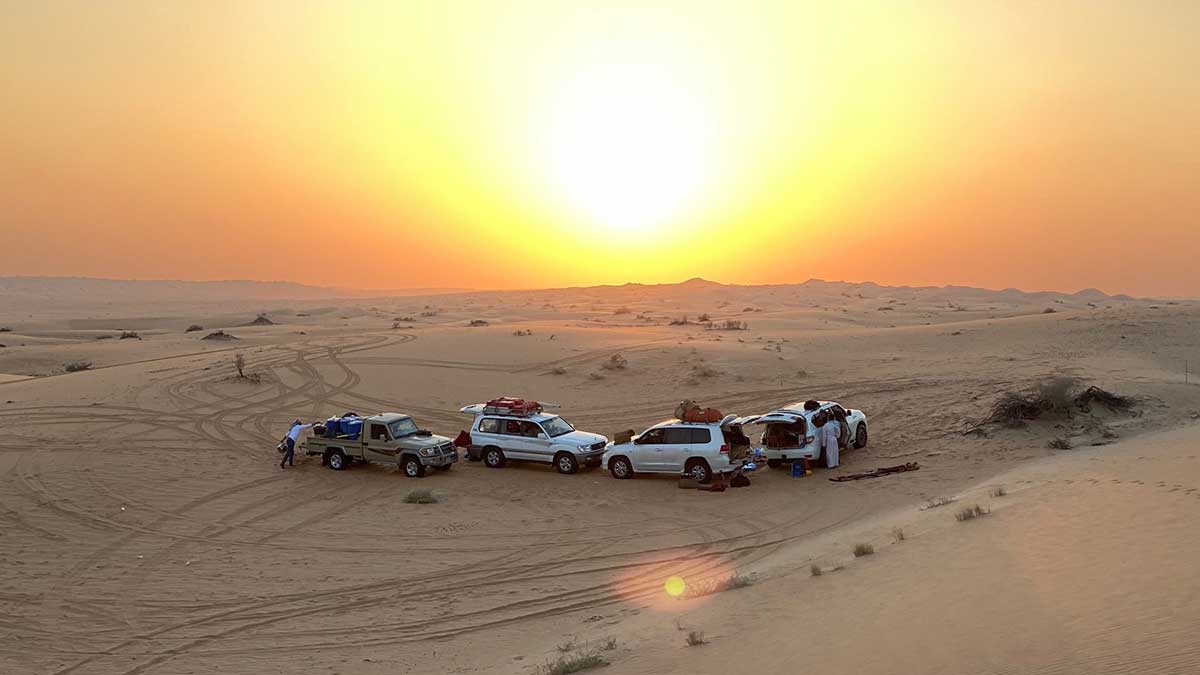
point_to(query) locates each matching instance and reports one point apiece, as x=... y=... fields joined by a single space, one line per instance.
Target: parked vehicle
x=514 y=429
x=389 y=438
x=695 y=449
x=790 y=434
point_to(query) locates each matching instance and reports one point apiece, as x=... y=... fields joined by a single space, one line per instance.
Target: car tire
x=620 y=467
x=698 y=470
x=335 y=460
x=566 y=463
x=412 y=466
x=774 y=463
x=493 y=457
x=860 y=436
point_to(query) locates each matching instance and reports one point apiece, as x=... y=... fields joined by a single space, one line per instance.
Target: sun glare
x=674 y=586
x=629 y=147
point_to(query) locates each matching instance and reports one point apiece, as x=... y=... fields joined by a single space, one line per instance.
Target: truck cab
x=386 y=438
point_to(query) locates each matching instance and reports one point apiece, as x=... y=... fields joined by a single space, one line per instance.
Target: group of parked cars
x=514 y=430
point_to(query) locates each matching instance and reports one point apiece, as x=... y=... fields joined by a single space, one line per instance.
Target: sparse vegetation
x=704 y=318
x=861 y=550
x=729 y=324
x=77 y=366
x=1095 y=394
x=718 y=585
x=523 y=332
x=1058 y=443
x=998 y=491
x=702 y=370
x=421 y=496
x=938 y=501
x=615 y=362
x=104 y=337
x=681 y=321
x=622 y=310
x=576 y=658
x=130 y=335
x=429 y=312
x=898 y=535
x=239 y=362
x=815 y=570
x=595 y=376
x=1013 y=409
x=558 y=370
x=5 y=329
x=404 y=319
x=1049 y=310
x=478 y=323
x=885 y=309
x=971 y=513
x=193 y=328
x=695 y=638
x=219 y=335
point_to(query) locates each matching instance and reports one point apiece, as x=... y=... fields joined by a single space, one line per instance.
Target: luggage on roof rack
x=507 y=405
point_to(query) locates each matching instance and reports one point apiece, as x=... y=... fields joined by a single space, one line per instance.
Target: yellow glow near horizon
x=545 y=143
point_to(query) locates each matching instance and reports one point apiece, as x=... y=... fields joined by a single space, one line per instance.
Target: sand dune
x=148 y=528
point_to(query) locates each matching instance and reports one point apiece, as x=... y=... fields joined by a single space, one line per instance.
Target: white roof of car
x=798 y=406
x=673 y=422
x=387 y=418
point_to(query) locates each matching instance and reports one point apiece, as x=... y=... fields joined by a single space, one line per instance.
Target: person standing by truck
x=831 y=433
x=293 y=436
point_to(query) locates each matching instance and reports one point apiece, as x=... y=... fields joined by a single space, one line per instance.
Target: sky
x=536 y=143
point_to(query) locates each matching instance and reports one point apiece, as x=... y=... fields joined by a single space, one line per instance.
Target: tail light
x=724 y=449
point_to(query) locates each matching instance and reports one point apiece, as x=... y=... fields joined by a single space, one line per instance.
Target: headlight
x=427 y=452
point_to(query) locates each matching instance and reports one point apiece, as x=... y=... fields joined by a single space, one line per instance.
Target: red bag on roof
x=507 y=405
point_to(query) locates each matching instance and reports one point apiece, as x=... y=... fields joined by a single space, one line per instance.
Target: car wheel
x=860 y=436
x=565 y=462
x=335 y=460
x=494 y=458
x=412 y=467
x=620 y=467
x=697 y=469
x=774 y=463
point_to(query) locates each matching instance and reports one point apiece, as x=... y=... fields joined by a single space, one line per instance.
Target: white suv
x=540 y=437
x=695 y=449
x=790 y=433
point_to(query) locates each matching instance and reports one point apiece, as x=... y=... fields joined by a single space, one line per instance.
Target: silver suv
x=539 y=437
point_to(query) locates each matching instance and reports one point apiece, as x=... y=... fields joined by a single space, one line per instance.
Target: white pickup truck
x=388 y=438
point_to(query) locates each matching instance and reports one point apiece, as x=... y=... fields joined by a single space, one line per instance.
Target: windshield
x=557 y=426
x=404 y=427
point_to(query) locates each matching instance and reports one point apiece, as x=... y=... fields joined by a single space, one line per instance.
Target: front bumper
x=445 y=459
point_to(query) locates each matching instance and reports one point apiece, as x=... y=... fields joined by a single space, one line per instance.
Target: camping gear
x=689 y=411
x=343 y=427
x=876 y=473
x=622 y=437
x=462 y=440
x=751 y=466
x=508 y=405
x=798 y=470
x=282 y=447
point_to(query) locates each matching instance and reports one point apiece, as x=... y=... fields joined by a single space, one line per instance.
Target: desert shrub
x=565 y=665
x=239 y=362
x=558 y=370
x=130 y=335
x=622 y=310
x=1049 y=310
x=219 y=335
x=421 y=496
x=863 y=549
x=104 y=337
x=885 y=309
x=5 y=329
x=429 y=312
x=898 y=535
x=522 y=332
x=681 y=321
x=1085 y=398
x=815 y=570
x=193 y=328
x=595 y=376
x=704 y=318
x=695 y=638
x=404 y=319
x=702 y=370
x=1052 y=395
x=998 y=491
x=1058 y=443
x=938 y=501
x=615 y=362
x=76 y=366
x=477 y=323
x=971 y=513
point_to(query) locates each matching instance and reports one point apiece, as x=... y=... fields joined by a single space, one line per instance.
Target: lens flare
x=674 y=586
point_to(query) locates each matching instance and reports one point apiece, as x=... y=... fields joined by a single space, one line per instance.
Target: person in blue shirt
x=293 y=435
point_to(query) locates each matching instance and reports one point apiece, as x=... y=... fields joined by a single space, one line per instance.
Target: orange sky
x=1043 y=145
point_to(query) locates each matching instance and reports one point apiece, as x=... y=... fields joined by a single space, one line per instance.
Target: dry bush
x=193 y=328
x=1049 y=310
x=622 y=310
x=130 y=335
x=885 y=309
x=77 y=366
x=1058 y=443
x=522 y=332
x=558 y=370
x=219 y=335
x=695 y=639
x=704 y=318
x=681 y=321
x=815 y=570
x=898 y=535
x=998 y=491
x=702 y=370
x=595 y=376
x=1085 y=398
x=1050 y=396
x=429 y=312
x=422 y=496
x=615 y=362
x=710 y=586
x=938 y=501
x=5 y=329
x=971 y=513
x=863 y=549
x=405 y=319
x=478 y=323
x=239 y=362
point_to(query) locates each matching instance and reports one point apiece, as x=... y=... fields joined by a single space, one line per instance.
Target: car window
x=489 y=426
x=530 y=429
x=701 y=436
x=653 y=436
x=403 y=427
x=557 y=426
x=378 y=432
x=678 y=436
x=510 y=427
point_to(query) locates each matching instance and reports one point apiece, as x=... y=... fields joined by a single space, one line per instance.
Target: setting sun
x=674 y=586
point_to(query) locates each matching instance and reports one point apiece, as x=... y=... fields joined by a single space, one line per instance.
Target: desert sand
x=147 y=526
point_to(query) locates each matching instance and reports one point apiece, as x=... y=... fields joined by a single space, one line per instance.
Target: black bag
x=739 y=481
